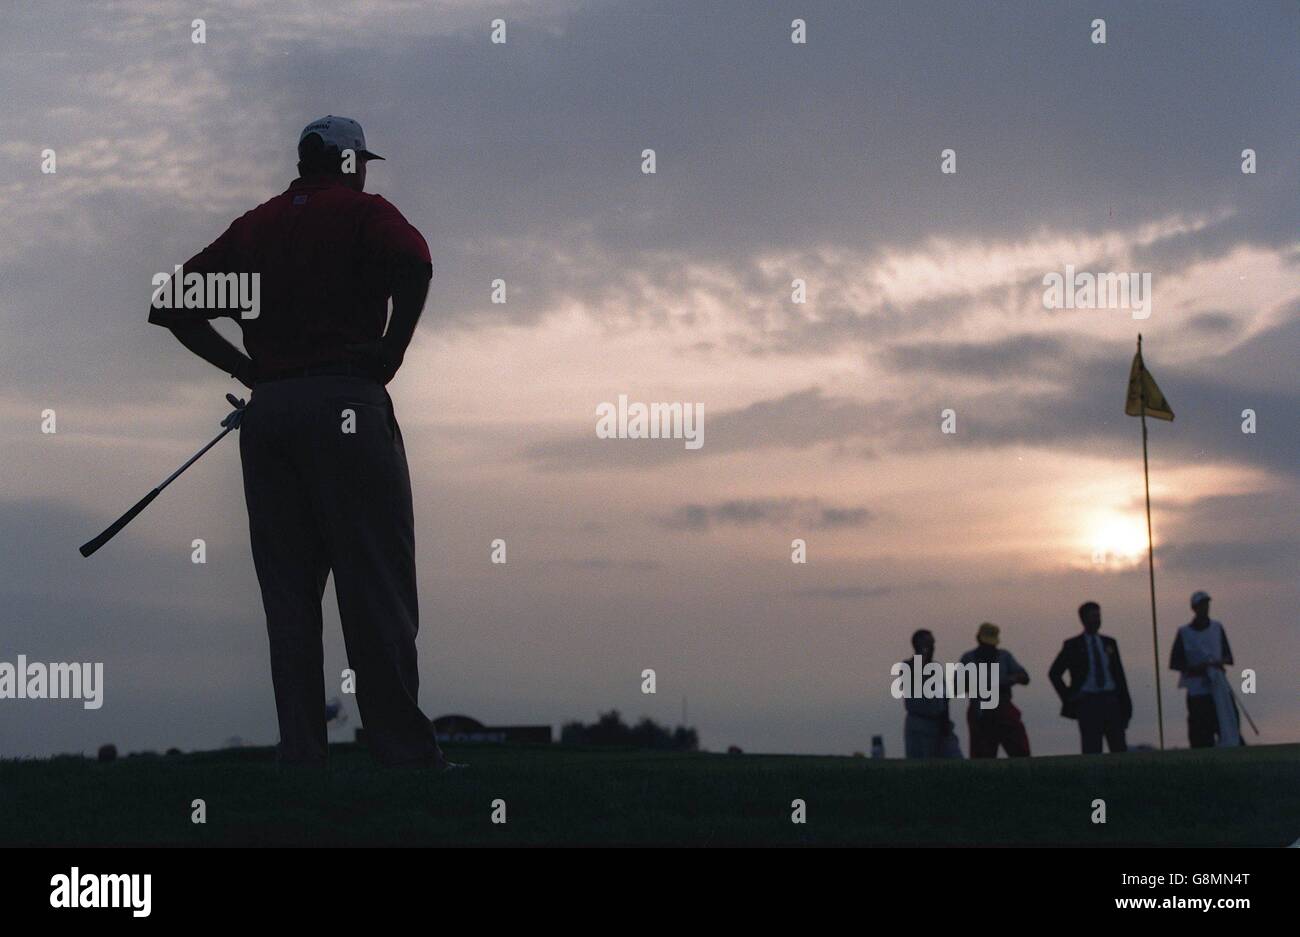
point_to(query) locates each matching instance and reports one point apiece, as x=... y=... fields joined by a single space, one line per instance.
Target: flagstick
x=1151 y=554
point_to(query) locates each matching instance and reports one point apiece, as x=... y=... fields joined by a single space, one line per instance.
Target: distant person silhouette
x=927 y=728
x=1002 y=726
x=1199 y=654
x=1097 y=694
x=325 y=474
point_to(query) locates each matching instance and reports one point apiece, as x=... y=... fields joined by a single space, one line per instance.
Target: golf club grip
x=93 y=545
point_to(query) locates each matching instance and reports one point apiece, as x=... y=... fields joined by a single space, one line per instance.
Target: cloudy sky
x=775 y=161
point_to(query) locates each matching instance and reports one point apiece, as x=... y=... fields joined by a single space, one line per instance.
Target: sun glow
x=1117 y=540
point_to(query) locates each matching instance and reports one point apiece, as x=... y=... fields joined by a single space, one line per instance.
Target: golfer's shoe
x=449 y=767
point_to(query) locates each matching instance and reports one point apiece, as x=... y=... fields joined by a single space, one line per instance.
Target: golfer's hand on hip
x=377 y=358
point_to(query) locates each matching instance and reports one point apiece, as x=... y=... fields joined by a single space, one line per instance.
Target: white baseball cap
x=1198 y=597
x=340 y=133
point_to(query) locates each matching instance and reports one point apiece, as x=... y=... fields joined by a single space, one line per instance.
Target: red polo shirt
x=326 y=256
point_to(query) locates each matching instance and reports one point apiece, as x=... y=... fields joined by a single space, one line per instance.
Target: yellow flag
x=1142 y=388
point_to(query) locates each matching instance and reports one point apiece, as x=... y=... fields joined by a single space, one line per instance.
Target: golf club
x=231 y=421
x=1236 y=699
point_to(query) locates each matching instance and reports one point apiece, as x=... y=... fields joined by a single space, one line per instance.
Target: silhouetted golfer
x=927 y=728
x=1200 y=654
x=325 y=474
x=1097 y=694
x=1002 y=726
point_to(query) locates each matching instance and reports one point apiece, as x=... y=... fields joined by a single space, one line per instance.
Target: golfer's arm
x=1178 y=657
x=206 y=342
x=1055 y=673
x=410 y=289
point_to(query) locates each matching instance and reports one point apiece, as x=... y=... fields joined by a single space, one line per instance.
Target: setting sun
x=1117 y=540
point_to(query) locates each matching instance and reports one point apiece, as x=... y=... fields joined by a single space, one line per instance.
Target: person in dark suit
x=1097 y=694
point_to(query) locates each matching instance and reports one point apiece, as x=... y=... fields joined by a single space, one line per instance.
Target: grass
x=565 y=796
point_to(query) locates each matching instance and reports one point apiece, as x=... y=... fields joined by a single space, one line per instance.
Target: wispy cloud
x=795 y=513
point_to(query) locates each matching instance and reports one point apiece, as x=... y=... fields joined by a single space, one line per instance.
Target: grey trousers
x=321 y=498
x=921 y=739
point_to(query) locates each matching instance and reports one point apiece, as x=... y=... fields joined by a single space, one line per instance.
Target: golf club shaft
x=194 y=458
x=113 y=529
x=1236 y=699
